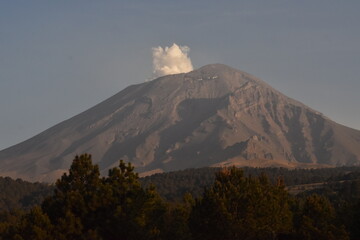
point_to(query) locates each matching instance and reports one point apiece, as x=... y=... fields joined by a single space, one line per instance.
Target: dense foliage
x=236 y=207
x=231 y=204
x=17 y=193
x=173 y=185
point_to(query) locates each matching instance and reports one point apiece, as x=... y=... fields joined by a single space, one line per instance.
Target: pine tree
x=239 y=207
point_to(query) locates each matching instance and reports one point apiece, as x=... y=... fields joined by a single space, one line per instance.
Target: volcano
x=212 y=116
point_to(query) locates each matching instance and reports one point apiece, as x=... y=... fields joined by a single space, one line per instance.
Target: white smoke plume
x=171 y=60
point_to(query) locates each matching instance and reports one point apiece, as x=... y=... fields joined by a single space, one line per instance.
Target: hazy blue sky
x=58 y=58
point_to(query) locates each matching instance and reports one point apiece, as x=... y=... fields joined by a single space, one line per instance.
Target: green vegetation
x=236 y=207
x=173 y=185
x=226 y=204
x=15 y=194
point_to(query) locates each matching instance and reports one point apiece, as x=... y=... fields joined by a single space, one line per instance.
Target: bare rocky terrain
x=212 y=116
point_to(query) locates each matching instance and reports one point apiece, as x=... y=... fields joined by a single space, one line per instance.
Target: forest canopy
x=235 y=205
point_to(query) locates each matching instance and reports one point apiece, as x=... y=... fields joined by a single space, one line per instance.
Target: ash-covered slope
x=213 y=116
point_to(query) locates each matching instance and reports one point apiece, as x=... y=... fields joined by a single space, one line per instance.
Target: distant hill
x=212 y=116
x=173 y=185
x=19 y=194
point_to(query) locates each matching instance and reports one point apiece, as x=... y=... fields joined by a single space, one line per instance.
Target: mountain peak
x=217 y=67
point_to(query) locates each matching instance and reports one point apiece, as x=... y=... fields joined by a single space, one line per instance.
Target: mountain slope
x=212 y=116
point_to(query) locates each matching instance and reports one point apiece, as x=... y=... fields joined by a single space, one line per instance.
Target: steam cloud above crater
x=171 y=60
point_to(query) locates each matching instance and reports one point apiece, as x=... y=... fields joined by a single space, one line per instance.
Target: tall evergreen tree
x=316 y=221
x=115 y=207
x=239 y=207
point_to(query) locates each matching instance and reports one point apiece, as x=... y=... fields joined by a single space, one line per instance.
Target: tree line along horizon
x=237 y=204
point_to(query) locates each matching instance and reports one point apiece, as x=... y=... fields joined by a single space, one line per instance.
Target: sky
x=59 y=58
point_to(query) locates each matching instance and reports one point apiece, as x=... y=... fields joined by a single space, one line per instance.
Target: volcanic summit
x=212 y=116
